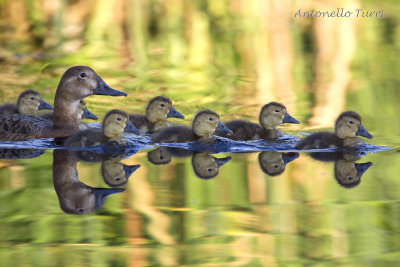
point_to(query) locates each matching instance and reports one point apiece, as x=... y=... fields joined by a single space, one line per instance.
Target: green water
x=231 y=57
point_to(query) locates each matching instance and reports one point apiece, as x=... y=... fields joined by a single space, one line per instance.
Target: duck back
x=19 y=127
x=8 y=109
x=86 y=138
x=320 y=140
x=174 y=134
x=242 y=130
x=141 y=122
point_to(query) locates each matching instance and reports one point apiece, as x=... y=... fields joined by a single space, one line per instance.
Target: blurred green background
x=231 y=57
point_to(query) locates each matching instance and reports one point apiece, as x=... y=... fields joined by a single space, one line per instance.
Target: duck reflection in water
x=115 y=173
x=274 y=163
x=74 y=196
x=205 y=166
x=347 y=172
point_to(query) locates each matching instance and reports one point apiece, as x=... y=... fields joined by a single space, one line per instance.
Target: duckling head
x=116 y=122
x=160 y=109
x=159 y=156
x=274 y=114
x=84 y=113
x=30 y=101
x=206 y=166
x=205 y=122
x=348 y=173
x=115 y=173
x=274 y=163
x=348 y=125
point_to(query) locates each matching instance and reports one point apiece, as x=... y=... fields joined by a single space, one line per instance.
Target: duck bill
x=173 y=113
x=88 y=115
x=222 y=127
x=289 y=119
x=103 y=89
x=129 y=169
x=222 y=161
x=362 y=167
x=44 y=105
x=288 y=157
x=130 y=128
x=363 y=132
x=102 y=193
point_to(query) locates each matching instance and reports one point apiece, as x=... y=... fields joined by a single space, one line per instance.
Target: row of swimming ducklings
x=80 y=82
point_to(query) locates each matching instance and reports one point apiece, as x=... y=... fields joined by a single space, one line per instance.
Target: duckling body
x=29 y=102
x=158 y=110
x=76 y=83
x=348 y=125
x=114 y=124
x=204 y=125
x=271 y=115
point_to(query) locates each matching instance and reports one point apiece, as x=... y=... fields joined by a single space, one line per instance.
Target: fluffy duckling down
x=158 y=110
x=114 y=124
x=348 y=125
x=271 y=115
x=203 y=127
x=29 y=102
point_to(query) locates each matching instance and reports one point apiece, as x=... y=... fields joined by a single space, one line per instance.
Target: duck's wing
x=20 y=127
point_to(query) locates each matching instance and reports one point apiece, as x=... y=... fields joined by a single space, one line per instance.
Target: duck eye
x=161 y=157
x=32 y=98
x=349 y=178
x=162 y=105
x=351 y=122
x=276 y=166
x=117 y=179
x=119 y=119
x=83 y=75
x=276 y=110
x=210 y=119
x=210 y=170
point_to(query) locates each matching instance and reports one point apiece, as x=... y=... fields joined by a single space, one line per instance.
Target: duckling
x=204 y=124
x=158 y=110
x=76 y=83
x=114 y=124
x=271 y=115
x=347 y=126
x=29 y=102
x=159 y=156
x=274 y=163
x=74 y=196
x=206 y=166
x=115 y=173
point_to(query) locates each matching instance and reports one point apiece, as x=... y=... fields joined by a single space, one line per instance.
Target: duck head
x=115 y=173
x=84 y=113
x=30 y=102
x=205 y=122
x=206 y=166
x=348 y=125
x=116 y=122
x=348 y=173
x=274 y=114
x=159 y=156
x=274 y=163
x=160 y=109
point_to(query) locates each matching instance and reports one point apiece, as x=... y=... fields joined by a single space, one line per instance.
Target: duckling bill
x=203 y=127
x=348 y=125
x=271 y=115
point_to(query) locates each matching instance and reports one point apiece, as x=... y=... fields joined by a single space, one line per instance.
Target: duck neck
x=65 y=114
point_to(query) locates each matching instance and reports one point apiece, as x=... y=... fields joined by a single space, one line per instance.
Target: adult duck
x=76 y=84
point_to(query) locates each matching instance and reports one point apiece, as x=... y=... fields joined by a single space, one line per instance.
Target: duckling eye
x=162 y=105
x=83 y=75
x=117 y=179
x=32 y=98
x=119 y=119
x=276 y=166
x=276 y=110
x=210 y=170
x=349 y=178
x=210 y=119
x=351 y=122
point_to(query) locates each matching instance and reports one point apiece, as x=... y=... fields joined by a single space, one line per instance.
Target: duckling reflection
x=347 y=172
x=206 y=166
x=274 y=163
x=116 y=173
x=74 y=196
